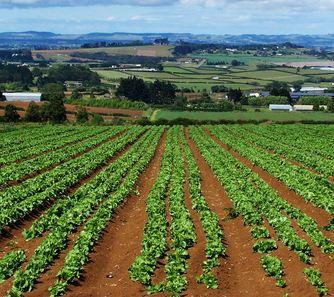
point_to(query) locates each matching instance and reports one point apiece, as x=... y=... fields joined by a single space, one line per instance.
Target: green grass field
x=250 y=115
x=251 y=59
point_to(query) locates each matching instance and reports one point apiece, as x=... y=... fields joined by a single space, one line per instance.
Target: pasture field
x=224 y=210
x=263 y=115
x=251 y=59
x=245 y=77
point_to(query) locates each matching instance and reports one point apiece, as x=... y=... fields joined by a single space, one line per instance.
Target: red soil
x=107 y=113
x=293 y=266
x=121 y=243
x=240 y=273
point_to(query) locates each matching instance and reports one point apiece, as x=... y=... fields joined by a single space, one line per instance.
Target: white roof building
x=285 y=107
x=312 y=89
x=23 y=97
x=303 y=107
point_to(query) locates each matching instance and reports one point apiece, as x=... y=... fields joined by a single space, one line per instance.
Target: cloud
x=63 y=3
x=243 y=5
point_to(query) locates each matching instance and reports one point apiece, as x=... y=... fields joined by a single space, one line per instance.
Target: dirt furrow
x=49 y=168
x=240 y=273
x=321 y=216
x=197 y=253
x=12 y=236
x=107 y=272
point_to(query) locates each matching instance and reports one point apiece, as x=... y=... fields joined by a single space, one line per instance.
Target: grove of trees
x=157 y=93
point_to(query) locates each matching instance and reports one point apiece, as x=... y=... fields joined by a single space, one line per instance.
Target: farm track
x=49 y=168
x=115 y=252
x=321 y=216
x=233 y=278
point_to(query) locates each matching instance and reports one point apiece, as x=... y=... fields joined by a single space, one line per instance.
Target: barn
x=23 y=97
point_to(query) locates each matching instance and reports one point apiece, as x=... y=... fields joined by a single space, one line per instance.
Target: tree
x=82 y=115
x=160 y=67
x=235 y=63
x=36 y=72
x=181 y=101
x=297 y=85
x=2 y=97
x=330 y=106
x=45 y=112
x=161 y=92
x=33 y=113
x=205 y=97
x=76 y=94
x=235 y=95
x=11 y=114
x=52 y=91
x=133 y=88
x=55 y=110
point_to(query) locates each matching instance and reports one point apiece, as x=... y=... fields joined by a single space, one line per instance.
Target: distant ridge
x=34 y=38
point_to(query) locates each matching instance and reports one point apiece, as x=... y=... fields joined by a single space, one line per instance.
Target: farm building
x=303 y=107
x=284 y=107
x=23 y=97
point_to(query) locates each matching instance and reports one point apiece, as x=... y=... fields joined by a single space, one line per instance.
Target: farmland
x=246 y=77
x=224 y=210
x=65 y=55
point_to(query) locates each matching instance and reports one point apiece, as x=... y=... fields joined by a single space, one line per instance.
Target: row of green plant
x=56 y=241
x=13 y=139
x=34 y=143
x=209 y=219
x=154 y=243
x=94 y=227
x=75 y=145
x=23 y=199
x=311 y=187
x=182 y=230
x=242 y=202
x=300 y=137
x=311 y=160
x=10 y=263
x=263 y=199
x=115 y=172
x=306 y=223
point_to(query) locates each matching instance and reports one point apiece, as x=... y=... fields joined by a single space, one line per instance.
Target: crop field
x=224 y=210
x=65 y=55
x=251 y=59
x=251 y=115
x=246 y=77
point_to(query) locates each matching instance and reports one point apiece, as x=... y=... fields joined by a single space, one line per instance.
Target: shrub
x=97 y=119
x=33 y=113
x=82 y=115
x=11 y=114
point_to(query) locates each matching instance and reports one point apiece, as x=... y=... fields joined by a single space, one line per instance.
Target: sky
x=169 y=16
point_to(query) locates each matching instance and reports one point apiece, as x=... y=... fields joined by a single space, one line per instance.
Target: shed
x=284 y=107
x=23 y=97
x=303 y=107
